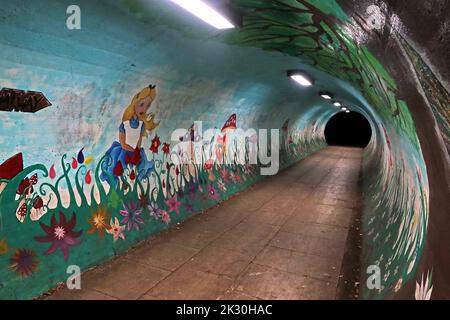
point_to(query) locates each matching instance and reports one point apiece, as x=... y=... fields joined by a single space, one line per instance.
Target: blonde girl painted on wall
x=136 y=124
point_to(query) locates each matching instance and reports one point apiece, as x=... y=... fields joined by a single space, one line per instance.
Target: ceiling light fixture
x=344 y=109
x=301 y=77
x=206 y=12
x=326 y=95
x=337 y=104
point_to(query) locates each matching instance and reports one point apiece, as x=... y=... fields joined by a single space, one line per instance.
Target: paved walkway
x=285 y=238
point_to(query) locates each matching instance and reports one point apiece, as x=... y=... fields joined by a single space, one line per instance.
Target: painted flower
x=24 y=262
x=204 y=197
x=143 y=201
x=155 y=144
x=192 y=189
x=226 y=175
x=131 y=216
x=212 y=192
x=221 y=185
x=173 y=204
x=166 y=148
x=116 y=230
x=165 y=217
x=424 y=290
x=4 y=247
x=154 y=210
x=188 y=207
x=99 y=221
x=60 y=234
x=247 y=168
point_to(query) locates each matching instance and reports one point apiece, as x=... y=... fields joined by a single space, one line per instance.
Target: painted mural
x=437 y=96
x=106 y=174
x=320 y=33
x=139 y=186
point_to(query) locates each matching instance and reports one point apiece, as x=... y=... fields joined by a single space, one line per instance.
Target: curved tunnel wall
x=91 y=75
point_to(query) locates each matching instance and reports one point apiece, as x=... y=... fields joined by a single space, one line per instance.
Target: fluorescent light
x=326 y=95
x=205 y=12
x=301 y=77
x=347 y=111
x=302 y=80
x=337 y=104
x=344 y=109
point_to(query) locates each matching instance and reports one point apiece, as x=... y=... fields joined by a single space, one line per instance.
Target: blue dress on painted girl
x=128 y=151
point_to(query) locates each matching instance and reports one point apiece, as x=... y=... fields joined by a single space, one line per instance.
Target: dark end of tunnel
x=348 y=129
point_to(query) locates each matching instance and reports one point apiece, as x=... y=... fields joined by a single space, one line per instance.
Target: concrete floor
x=285 y=238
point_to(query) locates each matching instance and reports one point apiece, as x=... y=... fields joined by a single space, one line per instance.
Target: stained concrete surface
x=284 y=238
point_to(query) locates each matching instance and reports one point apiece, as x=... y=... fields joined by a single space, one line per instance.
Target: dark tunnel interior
x=348 y=129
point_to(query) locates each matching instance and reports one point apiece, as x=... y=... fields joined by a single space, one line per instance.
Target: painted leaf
x=88 y=160
x=52 y=172
x=115 y=199
x=74 y=163
x=88 y=178
x=80 y=156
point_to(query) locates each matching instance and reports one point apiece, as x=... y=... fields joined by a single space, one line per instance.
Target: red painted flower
x=60 y=234
x=166 y=148
x=24 y=262
x=226 y=175
x=155 y=144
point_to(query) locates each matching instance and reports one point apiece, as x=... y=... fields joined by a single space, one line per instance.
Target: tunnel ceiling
x=376 y=61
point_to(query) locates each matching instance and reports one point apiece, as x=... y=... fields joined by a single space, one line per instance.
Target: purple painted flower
x=188 y=207
x=154 y=211
x=212 y=192
x=192 y=189
x=60 y=234
x=131 y=216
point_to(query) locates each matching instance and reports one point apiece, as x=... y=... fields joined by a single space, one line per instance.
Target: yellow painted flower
x=99 y=221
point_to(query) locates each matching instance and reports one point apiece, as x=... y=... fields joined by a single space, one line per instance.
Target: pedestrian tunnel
x=105 y=105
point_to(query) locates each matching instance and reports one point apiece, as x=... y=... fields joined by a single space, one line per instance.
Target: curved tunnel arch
x=208 y=76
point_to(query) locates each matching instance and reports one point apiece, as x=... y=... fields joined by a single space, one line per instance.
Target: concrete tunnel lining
x=91 y=76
